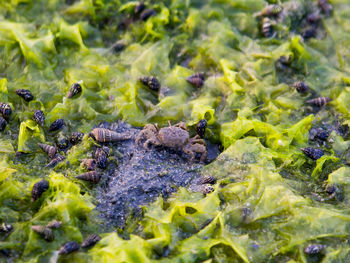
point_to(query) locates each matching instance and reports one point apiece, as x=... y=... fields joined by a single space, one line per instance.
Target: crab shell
x=173 y=137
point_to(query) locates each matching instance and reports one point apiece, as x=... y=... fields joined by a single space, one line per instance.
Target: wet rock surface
x=138 y=176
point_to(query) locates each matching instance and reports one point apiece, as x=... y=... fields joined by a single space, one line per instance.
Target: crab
x=176 y=137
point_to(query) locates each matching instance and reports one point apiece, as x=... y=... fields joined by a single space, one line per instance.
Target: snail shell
x=267 y=28
x=39 y=117
x=68 y=247
x=50 y=150
x=321 y=101
x=313 y=153
x=25 y=94
x=39 y=188
x=56 y=125
x=74 y=90
x=209 y=179
x=207 y=189
x=300 y=86
x=3 y=124
x=201 y=126
x=271 y=10
x=89 y=164
x=196 y=79
x=54 y=224
x=147 y=14
x=91 y=240
x=5 y=110
x=151 y=82
x=58 y=158
x=44 y=231
x=139 y=8
x=92 y=176
x=314 y=249
x=76 y=137
x=101 y=155
x=105 y=135
x=6 y=227
x=61 y=141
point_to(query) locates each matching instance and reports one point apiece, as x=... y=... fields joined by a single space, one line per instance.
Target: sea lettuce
x=270 y=200
x=29 y=134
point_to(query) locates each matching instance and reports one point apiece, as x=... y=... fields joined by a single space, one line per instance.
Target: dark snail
x=39 y=117
x=151 y=82
x=68 y=247
x=196 y=79
x=39 y=188
x=25 y=94
x=313 y=153
x=56 y=125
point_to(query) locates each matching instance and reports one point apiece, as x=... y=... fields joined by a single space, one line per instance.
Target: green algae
x=270 y=199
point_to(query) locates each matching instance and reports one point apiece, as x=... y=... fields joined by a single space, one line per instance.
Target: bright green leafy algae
x=270 y=200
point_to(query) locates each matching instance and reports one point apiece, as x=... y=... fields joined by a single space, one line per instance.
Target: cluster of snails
x=39 y=118
x=206 y=184
x=57 y=125
x=313 y=153
x=73 y=246
x=267 y=16
x=284 y=63
x=272 y=15
x=39 y=188
x=47 y=233
x=140 y=13
x=101 y=154
x=196 y=79
x=5 y=112
x=52 y=151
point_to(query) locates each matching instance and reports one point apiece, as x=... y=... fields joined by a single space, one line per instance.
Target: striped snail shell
x=319 y=102
x=56 y=160
x=44 y=231
x=196 y=79
x=89 y=164
x=92 y=176
x=267 y=28
x=91 y=240
x=50 y=150
x=105 y=135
